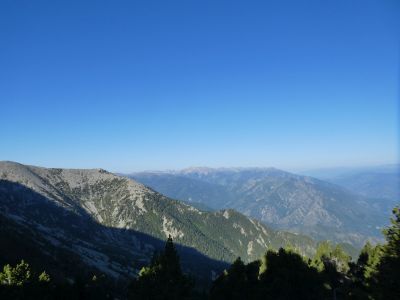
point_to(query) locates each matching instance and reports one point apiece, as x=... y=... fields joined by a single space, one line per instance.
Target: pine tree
x=19 y=283
x=240 y=281
x=288 y=276
x=163 y=279
x=170 y=261
x=387 y=279
x=19 y=275
x=44 y=277
x=361 y=272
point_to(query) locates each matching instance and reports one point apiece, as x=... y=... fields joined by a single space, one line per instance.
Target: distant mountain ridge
x=381 y=183
x=114 y=224
x=278 y=198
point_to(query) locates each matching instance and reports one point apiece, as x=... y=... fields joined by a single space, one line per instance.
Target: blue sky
x=132 y=85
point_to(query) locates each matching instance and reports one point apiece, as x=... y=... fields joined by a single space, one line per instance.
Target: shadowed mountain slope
x=114 y=224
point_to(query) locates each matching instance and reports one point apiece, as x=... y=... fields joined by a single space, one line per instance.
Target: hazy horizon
x=136 y=86
x=272 y=129
x=302 y=170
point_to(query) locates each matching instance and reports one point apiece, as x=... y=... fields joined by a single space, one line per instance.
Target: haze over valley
x=284 y=200
x=199 y=150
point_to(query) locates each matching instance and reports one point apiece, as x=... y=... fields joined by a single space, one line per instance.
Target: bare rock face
x=114 y=224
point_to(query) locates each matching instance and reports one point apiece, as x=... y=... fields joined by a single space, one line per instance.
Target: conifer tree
x=362 y=271
x=240 y=281
x=44 y=277
x=19 y=275
x=170 y=261
x=288 y=276
x=387 y=279
x=163 y=279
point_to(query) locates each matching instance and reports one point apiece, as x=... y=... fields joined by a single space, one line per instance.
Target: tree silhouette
x=163 y=278
x=238 y=282
x=284 y=275
x=281 y=275
x=387 y=280
x=288 y=276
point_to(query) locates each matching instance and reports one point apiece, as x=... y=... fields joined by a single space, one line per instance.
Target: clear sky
x=132 y=85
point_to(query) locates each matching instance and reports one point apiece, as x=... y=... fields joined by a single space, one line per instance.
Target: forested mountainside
x=279 y=275
x=114 y=224
x=287 y=201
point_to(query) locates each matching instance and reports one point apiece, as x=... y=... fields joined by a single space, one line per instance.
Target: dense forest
x=282 y=274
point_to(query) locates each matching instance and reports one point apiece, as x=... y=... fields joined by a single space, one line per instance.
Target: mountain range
x=72 y=220
x=301 y=204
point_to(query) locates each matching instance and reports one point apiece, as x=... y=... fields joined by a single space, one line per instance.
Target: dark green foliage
x=328 y=253
x=376 y=274
x=282 y=274
x=362 y=272
x=387 y=280
x=288 y=276
x=239 y=282
x=333 y=263
x=163 y=278
x=20 y=282
x=18 y=275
